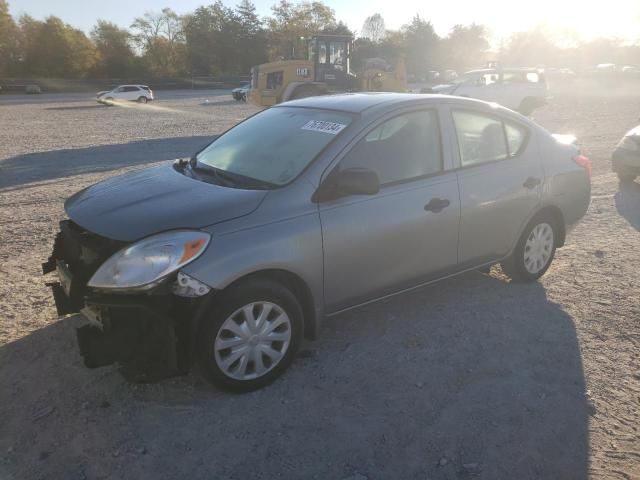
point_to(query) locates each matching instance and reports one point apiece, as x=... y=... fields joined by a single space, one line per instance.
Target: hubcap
x=252 y=340
x=537 y=250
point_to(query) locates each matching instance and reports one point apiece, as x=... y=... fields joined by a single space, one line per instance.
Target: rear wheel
x=527 y=106
x=142 y=100
x=250 y=336
x=534 y=252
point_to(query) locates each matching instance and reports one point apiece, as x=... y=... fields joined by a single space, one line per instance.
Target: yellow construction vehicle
x=326 y=71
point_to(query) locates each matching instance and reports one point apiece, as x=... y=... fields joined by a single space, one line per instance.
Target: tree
x=115 y=55
x=374 y=28
x=292 y=25
x=465 y=47
x=55 y=49
x=252 y=46
x=160 y=37
x=212 y=36
x=9 y=42
x=422 y=46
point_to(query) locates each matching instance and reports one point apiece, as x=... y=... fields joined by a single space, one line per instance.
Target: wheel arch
x=556 y=215
x=297 y=286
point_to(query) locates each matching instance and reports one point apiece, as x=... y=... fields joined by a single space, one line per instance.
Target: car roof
x=359 y=102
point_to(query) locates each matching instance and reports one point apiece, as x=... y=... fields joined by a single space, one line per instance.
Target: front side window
x=480 y=138
x=322 y=53
x=336 y=54
x=274 y=80
x=276 y=145
x=402 y=148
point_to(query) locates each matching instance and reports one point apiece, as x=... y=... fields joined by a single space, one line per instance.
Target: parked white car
x=520 y=89
x=131 y=93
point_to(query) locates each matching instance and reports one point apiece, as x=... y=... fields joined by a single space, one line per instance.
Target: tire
x=626 y=177
x=527 y=106
x=109 y=101
x=217 y=343
x=544 y=249
x=142 y=100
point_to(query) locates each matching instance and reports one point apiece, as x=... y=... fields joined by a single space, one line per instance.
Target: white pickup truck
x=520 y=89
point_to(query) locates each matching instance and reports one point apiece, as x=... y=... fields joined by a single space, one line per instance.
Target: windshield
x=276 y=145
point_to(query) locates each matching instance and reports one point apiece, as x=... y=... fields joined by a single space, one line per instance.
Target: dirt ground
x=474 y=377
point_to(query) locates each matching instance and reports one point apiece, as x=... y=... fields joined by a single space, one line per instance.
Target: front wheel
x=249 y=336
x=534 y=252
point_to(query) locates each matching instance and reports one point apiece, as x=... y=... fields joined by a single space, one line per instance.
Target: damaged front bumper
x=148 y=335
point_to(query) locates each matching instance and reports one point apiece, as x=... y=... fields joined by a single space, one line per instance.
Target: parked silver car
x=305 y=210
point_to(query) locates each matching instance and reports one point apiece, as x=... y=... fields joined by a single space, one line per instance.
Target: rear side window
x=485 y=138
x=130 y=89
x=481 y=138
x=402 y=148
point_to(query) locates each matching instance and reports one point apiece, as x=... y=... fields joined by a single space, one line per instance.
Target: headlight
x=142 y=265
x=630 y=143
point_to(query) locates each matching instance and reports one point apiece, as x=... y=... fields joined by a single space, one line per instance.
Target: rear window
x=276 y=145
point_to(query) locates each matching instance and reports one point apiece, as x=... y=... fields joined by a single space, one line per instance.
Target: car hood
x=137 y=204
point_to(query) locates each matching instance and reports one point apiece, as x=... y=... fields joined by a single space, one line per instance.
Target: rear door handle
x=531 y=182
x=436 y=205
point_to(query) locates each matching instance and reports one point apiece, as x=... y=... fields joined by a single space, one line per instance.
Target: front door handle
x=436 y=205
x=531 y=182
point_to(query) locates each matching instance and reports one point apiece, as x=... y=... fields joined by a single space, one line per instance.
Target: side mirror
x=351 y=181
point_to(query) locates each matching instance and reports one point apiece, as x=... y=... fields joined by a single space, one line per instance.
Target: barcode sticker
x=324 y=127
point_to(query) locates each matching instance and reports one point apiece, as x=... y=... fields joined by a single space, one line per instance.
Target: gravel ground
x=474 y=377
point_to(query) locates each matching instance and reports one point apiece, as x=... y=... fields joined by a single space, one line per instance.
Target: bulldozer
x=326 y=71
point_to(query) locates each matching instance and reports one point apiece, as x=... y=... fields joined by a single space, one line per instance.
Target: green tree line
x=216 y=39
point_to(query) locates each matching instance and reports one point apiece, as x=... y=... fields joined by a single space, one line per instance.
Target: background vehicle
x=32 y=89
x=304 y=210
x=520 y=89
x=327 y=71
x=241 y=93
x=626 y=156
x=131 y=93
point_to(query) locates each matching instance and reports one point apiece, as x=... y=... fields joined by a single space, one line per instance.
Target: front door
x=405 y=234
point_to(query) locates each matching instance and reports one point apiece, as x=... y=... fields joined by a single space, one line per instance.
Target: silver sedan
x=305 y=210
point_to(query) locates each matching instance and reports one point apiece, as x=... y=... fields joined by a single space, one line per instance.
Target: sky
x=590 y=19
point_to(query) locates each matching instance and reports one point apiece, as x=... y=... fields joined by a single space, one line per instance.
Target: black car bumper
x=148 y=335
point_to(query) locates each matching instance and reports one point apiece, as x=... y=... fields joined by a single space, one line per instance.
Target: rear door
x=132 y=93
x=406 y=233
x=500 y=178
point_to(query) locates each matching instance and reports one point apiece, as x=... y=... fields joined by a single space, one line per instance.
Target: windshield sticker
x=324 y=127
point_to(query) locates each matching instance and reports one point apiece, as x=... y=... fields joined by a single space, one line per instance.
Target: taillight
x=584 y=162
